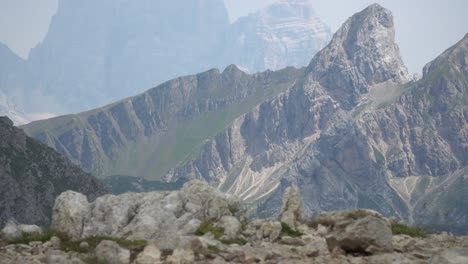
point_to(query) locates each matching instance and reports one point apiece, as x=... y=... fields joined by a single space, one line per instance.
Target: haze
x=425 y=28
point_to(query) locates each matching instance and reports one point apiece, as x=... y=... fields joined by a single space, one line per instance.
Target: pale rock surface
x=358 y=230
x=292 y=207
x=111 y=252
x=161 y=216
x=232 y=226
x=451 y=256
x=150 y=255
x=12 y=231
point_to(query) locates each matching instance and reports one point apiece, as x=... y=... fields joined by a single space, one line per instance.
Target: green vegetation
x=208 y=227
x=67 y=244
x=401 y=229
x=238 y=241
x=379 y=157
x=43 y=237
x=286 y=230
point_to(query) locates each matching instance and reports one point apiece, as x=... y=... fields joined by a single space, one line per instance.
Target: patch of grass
x=286 y=230
x=69 y=245
x=43 y=237
x=213 y=249
x=238 y=241
x=379 y=157
x=208 y=226
x=401 y=229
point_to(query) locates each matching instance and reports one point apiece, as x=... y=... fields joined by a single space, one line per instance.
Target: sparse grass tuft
x=208 y=226
x=43 y=237
x=400 y=229
x=286 y=230
x=238 y=241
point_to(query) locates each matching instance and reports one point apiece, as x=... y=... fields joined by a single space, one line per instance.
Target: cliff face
x=97 y=53
x=351 y=130
x=148 y=134
x=32 y=175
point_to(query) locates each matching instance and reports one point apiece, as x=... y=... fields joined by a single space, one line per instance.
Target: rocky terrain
x=352 y=130
x=94 y=54
x=286 y=33
x=198 y=224
x=32 y=175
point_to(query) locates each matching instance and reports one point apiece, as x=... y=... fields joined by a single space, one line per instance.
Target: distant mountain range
x=352 y=129
x=98 y=52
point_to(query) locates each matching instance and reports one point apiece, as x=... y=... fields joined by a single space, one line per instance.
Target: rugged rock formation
x=119 y=48
x=32 y=175
x=150 y=133
x=351 y=130
x=356 y=236
x=286 y=33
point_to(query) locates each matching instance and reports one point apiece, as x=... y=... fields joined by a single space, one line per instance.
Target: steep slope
x=307 y=134
x=286 y=33
x=351 y=130
x=32 y=175
x=97 y=53
x=148 y=134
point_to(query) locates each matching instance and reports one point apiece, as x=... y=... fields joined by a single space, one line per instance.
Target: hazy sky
x=425 y=28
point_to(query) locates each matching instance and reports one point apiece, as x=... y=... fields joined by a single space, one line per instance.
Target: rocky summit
x=351 y=130
x=199 y=224
x=32 y=175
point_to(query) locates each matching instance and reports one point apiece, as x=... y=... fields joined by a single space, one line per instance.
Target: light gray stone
x=292 y=208
x=111 y=252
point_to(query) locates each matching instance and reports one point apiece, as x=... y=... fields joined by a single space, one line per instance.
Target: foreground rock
x=357 y=231
x=200 y=225
x=161 y=216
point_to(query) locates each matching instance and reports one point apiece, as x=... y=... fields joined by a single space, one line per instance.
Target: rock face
x=355 y=236
x=161 y=216
x=138 y=45
x=285 y=33
x=32 y=175
x=358 y=230
x=292 y=208
x=351 y=130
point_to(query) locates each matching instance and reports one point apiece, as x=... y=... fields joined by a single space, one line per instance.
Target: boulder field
x=199 y=224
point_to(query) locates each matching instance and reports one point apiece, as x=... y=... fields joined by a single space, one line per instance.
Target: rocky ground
x=200 y=225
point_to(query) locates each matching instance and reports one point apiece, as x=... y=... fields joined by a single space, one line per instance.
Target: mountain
x=286 y=33
x=351 y=130
x=97 y=53
x=32 y=175
x=148 y=134
x=8 y=108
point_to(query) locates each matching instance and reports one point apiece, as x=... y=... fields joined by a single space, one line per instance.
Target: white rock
x=10 y=231
x=150 y=255
x=69 y=212
x=451 y=256
x=111 y=252
x=292 y=207
x=358 y=230
x=30 y=229
x=271 y=230
x=231 y=226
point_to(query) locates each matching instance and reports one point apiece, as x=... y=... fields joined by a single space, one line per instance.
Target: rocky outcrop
x=292 y=208
x=286 y=33
x=355 y=236
x=351 y=130
x=363 y=231
x=32 y=175
x=161 y=216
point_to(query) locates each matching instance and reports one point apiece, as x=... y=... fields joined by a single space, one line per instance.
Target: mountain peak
x=363 y=52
